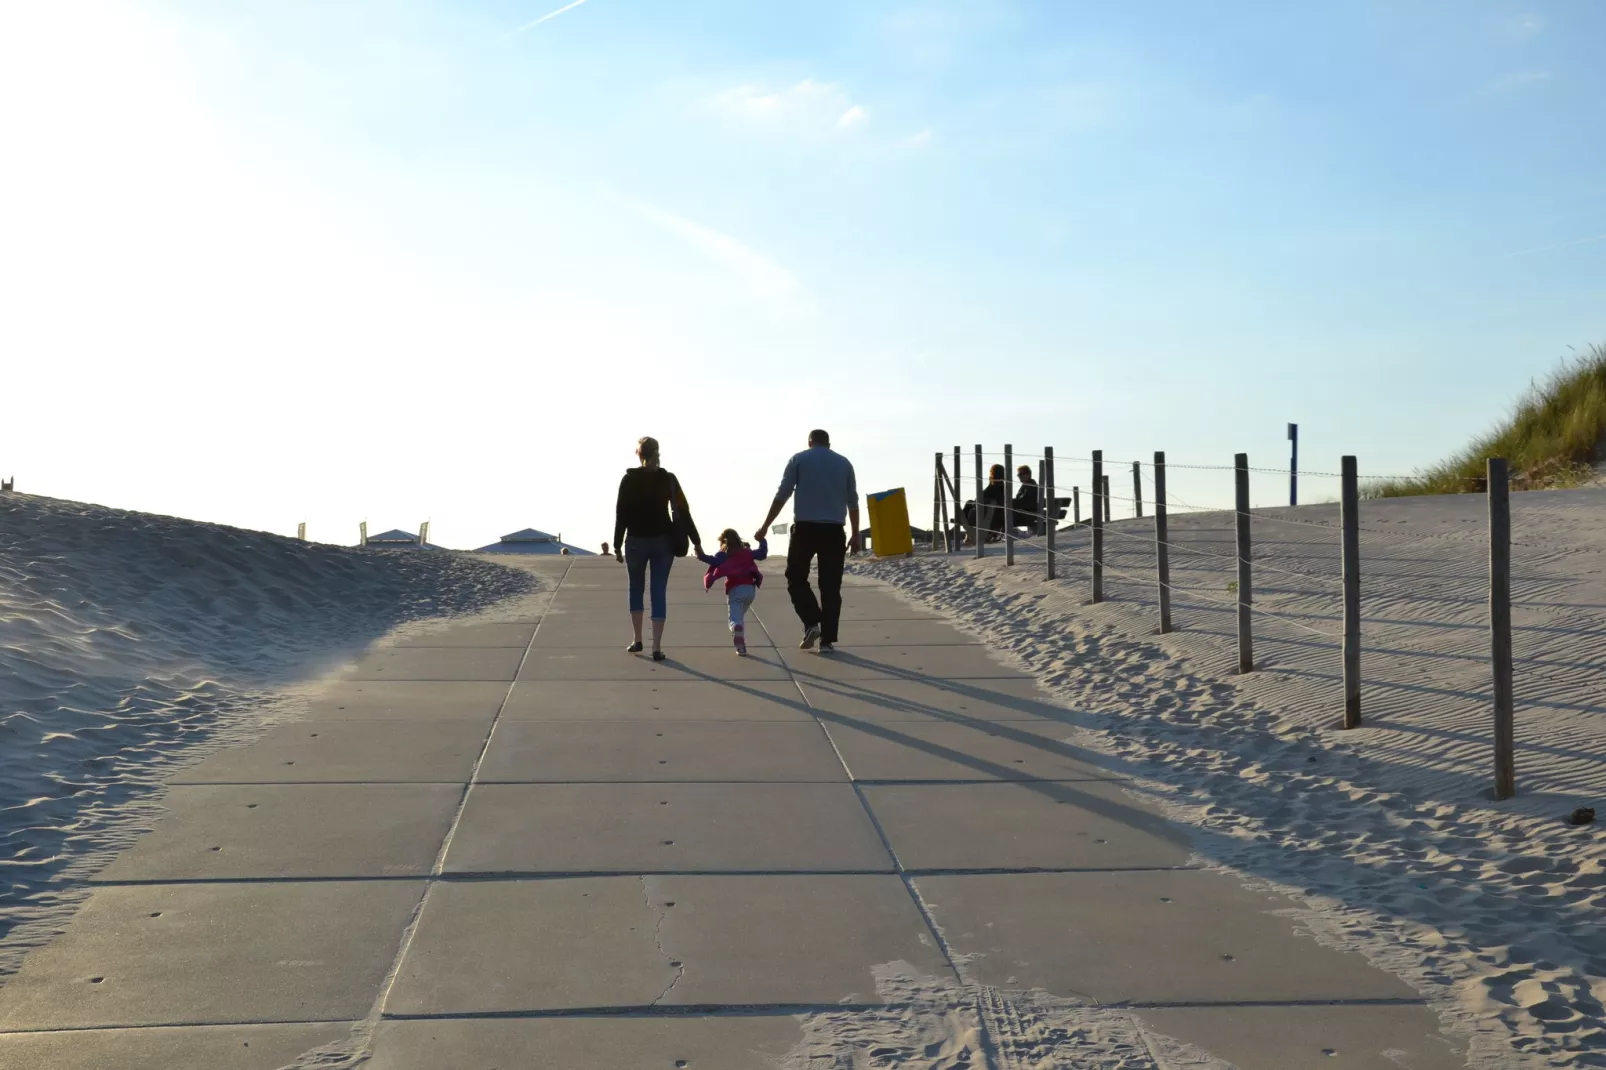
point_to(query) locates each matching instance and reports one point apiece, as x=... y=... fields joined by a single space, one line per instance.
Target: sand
x=1389 y=832
x=131 y=642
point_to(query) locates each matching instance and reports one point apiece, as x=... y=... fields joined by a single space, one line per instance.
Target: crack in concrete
x=659 y=914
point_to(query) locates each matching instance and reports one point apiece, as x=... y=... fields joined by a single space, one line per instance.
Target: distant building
x=530 y=541
x=399 y=540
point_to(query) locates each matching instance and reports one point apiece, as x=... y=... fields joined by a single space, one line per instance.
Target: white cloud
x=763 y=277
x=808 y=107
x=916 y=141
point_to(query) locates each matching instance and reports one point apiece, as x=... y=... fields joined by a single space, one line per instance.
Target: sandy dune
x=1491 y=909
x=125 y=638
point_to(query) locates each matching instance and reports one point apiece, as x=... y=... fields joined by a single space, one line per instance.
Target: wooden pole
x=981 y=535
x=1076 y=506
x=1098 y=527
x=1009 y=504
x=1293 y=464
x=942 y=494
x=1162 y=543
x=1042 y=481
x=959 y=523
x=1047 y=491
x=939 y=502
x=1505 y=774
x=1137 y=490
x=1246 y=642
x=1349 y=520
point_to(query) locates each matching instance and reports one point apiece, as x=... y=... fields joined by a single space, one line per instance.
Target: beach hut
x=531 y=541
x=397 y=539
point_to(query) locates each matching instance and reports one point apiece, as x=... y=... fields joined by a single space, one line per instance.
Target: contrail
x=549 y=15
x=1561 y=245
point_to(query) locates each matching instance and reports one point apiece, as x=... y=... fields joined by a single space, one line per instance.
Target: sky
x=343 y=260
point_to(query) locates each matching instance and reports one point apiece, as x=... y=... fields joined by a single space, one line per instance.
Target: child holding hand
x=737 y=565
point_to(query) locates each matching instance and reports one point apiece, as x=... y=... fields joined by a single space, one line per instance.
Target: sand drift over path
x=125 y=636
x=1491 y=909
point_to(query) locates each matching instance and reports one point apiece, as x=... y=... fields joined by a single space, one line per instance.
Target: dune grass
x=1553 y=440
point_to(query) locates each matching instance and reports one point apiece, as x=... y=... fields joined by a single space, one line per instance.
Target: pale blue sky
x=389 y=260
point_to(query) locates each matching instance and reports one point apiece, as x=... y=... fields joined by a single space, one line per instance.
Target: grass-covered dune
x=1554 y=439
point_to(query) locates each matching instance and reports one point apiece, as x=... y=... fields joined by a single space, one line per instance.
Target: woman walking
x=650 y=519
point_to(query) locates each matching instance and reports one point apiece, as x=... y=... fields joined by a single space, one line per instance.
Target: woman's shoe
x=634 y=648
x=658 y=655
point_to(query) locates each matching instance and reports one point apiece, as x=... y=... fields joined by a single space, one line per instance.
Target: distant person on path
x=824 y=484
x=736 y=564
x=650 y=509
x=604 y=549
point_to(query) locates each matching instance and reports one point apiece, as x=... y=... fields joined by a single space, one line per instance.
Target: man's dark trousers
x=829 y=543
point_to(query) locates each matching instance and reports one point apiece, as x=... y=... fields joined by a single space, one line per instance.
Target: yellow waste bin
x=889 y=523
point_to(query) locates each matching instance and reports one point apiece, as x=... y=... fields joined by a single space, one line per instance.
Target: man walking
x=822 y=480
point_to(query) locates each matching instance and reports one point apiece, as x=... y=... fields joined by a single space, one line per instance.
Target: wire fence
x=1312 y=572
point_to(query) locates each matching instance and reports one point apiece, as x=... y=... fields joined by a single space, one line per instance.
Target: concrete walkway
x=514 y=845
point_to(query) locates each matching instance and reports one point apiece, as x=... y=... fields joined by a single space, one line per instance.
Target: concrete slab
x=647 y=828
x=747 y=700
x=684 y=601
x=728 y=1042
x=417 y=700
x=309 y=752
x=438 y=663
x=614 y=633
x=298 y=830
x=489 y=946
x=898 y=662
x=940 y=750
x=799 y=940
x=485 y=946
x=1328 y=1037
x=957 y=701
x=1040 y=825
x=576 y=751
x=915 y=631
x=172 y=954
x=473 y=635
x=206 y=1047
x=1156 y=936
x=688 y=663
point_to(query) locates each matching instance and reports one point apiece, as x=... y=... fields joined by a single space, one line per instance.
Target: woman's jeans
x=639 y=553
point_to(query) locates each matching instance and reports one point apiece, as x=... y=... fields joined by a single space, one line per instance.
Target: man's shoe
x=827 y=648
x=810 y=637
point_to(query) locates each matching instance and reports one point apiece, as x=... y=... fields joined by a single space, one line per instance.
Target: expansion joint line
x=858 y=791
x=364 y=1030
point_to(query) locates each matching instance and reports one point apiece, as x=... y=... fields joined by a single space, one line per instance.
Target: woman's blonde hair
x=647 y=449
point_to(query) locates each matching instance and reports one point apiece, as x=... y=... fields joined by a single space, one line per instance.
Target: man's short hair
x=819 y=438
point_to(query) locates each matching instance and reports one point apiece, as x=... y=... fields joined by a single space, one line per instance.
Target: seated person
x=1028 y=501
x=992 y=510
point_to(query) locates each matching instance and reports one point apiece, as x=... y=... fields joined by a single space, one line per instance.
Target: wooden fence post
x=959 y=510
x=1349 y=520
x=1246 y=650
x=1009 y=504
x=1076 y=506
x=1109 y=512
x=981 y=536
x=1162 y=543
x=1505 y=774
x=939 y=500
x=1137 y=490
x=1047 y=491
x=1098 y=527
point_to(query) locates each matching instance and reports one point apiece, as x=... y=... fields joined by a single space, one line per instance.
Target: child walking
x=737 y=565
